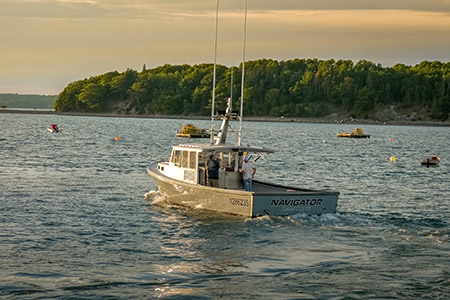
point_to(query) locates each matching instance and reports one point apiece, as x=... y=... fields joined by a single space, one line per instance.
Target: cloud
x=50 y=9
x=285 y=5
x=66 y=40
x=417 y=5
x=196 y=8
x=234 y=5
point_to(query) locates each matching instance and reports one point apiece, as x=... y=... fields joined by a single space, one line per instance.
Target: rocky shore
x=327 y=120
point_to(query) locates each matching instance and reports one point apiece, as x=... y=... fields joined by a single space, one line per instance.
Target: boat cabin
x=189 y=163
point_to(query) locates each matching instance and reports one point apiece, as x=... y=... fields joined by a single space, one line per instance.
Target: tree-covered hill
x=293 y=88
x=27 y=101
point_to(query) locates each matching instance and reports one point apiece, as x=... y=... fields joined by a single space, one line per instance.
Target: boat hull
x=353 y=136
x=273 y=200
x=431 y=161
x=292 y=203
x=427 y=163
x=193 y=135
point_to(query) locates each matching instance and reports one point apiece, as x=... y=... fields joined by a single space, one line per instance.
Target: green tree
x=92 y=96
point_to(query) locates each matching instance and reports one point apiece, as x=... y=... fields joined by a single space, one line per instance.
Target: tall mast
x=214 y=74
x=243 y=71
x=231 y=85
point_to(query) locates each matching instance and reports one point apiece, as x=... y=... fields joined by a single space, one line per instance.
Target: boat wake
x=154 y=196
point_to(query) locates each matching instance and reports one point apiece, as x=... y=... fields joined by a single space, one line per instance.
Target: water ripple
x=81 y=219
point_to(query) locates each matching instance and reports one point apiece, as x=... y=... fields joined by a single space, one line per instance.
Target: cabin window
x=192 y=159
x=225 y=159
x=184 y=159
x=176 y=157
x=201 y=161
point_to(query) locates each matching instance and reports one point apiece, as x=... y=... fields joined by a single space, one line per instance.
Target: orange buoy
x=117 y=138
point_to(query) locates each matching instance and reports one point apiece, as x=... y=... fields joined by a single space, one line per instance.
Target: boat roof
x=223 y=148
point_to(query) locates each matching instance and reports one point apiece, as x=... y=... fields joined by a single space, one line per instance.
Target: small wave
x=100 y=284
x=435 y=236
x=337 y=219
x=154 y=196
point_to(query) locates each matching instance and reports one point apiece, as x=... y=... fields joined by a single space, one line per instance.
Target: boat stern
x=285 y=204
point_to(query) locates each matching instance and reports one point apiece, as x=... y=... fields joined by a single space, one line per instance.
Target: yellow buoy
x=393 y=158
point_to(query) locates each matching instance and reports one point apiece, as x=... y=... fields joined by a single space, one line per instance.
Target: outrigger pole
x=243 y=71
x=214 y=74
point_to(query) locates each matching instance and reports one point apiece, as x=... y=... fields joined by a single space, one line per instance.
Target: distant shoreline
x=344 y=120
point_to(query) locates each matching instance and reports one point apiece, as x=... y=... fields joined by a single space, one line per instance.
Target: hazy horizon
x=50 y=43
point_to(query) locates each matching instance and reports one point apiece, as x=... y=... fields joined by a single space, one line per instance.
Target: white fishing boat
x=186 y=179
x=431 y=161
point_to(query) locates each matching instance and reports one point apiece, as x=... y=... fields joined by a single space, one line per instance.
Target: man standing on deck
x=213 y=171
x=247 y=174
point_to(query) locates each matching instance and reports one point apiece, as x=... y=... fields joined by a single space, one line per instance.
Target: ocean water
x=81 y=219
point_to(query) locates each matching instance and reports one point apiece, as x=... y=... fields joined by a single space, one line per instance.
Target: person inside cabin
x=247 y=174
x=213 y=171
x=239 y=162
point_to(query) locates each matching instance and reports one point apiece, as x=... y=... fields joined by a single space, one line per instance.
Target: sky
x=46 y=44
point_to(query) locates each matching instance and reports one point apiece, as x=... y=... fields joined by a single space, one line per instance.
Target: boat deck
x=265 y=188
x=260 y=187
